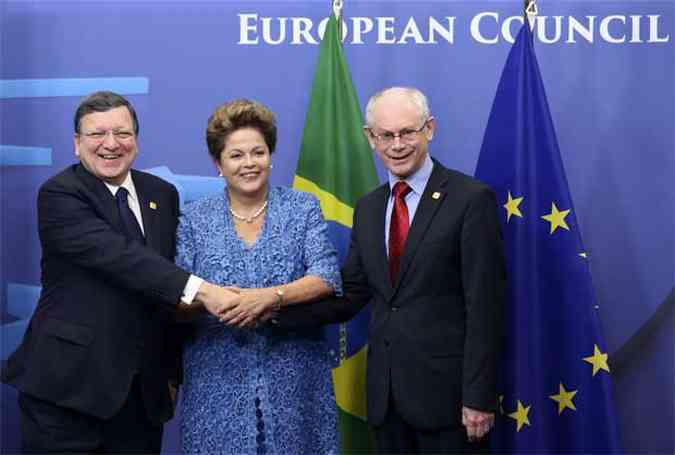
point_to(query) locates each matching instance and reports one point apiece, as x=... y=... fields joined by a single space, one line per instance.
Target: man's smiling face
x=396 y=113
x=106 y=144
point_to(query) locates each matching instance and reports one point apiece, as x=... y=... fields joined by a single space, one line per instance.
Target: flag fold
x=556 y=391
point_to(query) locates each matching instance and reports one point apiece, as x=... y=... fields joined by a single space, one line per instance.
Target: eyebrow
x=402 y=129
x=254 y=149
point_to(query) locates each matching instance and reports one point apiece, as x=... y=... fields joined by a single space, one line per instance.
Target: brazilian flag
x=336 y=165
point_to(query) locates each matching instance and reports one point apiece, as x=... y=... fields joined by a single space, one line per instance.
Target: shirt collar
x=418 y=180
x=128 y=183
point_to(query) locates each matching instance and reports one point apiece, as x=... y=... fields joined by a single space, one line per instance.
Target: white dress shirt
x=417 y=182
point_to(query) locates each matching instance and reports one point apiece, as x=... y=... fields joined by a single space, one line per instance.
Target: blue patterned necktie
x=129 y=221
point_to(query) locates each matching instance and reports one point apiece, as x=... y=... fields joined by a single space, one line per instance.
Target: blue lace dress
x=257 y=391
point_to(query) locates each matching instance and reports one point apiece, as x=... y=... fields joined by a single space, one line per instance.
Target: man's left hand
x=477 y=423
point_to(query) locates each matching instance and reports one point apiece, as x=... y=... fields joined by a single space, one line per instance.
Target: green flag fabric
x=336 y=165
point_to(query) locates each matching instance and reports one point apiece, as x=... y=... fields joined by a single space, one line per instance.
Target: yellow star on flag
x=521 y=416
x=511 y=207
x=557 y=218
x=584 y=255
x=598 y=360
x=564 y=399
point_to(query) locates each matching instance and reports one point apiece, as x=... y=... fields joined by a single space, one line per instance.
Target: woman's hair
x=237 y=114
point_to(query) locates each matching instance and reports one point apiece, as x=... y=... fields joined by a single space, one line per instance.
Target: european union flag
x=555 y=384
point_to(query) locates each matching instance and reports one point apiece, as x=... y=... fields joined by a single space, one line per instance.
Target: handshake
x=242 y=308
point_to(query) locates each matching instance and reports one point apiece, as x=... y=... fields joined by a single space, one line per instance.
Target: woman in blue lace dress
x=248 y=388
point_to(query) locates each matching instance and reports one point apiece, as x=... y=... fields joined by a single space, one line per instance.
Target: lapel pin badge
x=436 y=195
x=153 y=205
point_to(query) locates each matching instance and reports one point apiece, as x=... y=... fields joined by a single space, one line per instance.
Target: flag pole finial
x=531 y=8
x=337 y=9
x=530 y=12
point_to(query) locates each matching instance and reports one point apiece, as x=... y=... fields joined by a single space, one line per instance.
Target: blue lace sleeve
x=320 y=256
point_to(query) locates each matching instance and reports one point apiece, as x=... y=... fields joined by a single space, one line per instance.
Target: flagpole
x=343 y=347
x=337 y=10
x=530 y=12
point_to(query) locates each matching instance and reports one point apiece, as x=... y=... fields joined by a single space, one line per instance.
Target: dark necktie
x=398 y=228
x=129 y=221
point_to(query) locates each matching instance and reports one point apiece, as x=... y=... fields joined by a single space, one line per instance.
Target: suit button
x=386 y=343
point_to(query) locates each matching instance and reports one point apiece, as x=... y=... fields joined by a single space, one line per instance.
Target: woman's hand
x=211 y=298
x=255 y=306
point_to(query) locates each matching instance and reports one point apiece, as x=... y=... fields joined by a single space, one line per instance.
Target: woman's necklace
x=248 y=219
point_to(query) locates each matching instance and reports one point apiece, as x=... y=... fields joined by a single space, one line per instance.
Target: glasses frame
x=405 y=135
x=118 y=135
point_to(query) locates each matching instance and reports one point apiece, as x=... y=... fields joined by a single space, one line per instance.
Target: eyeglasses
x=387 y=138
x=99 y=136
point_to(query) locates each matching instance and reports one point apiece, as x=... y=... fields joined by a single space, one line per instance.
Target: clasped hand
x=477 y=423
x=243 y=308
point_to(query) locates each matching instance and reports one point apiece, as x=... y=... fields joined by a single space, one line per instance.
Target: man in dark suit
x=426 y=251
x=94 y=366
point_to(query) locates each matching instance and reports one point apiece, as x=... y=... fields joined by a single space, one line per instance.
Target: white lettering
x=635 y=29
x=322 y=27
x=447 y=34
x=575 y=25
x=604 y=29
x=361 y=26
x=411 y=31
x=475 y=28
x=506 y=27
x=654 y=30
x=302 y=26
x=385 y=25
x=245 y=27
x=321 y=30
x=267 y=30
x=486 y=27
x=541 y=29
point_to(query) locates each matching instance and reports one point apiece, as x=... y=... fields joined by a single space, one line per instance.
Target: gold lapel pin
x=153 y=205
x=436 y=195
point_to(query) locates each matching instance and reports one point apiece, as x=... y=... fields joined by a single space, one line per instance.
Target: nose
x=248 y=160
x=109 y=140
x=397 y=143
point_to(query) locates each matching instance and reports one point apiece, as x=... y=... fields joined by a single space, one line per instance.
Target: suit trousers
x=396 y=436
x=47 y=428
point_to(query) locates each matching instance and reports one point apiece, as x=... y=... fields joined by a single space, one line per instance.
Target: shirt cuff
x=191 y=289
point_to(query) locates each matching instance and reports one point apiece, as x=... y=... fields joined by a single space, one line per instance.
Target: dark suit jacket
x=434 y=335
x=106 y=301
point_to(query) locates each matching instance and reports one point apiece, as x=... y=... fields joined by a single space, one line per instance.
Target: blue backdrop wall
x=608 y=67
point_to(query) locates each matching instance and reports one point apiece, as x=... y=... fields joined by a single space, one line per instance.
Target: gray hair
x=417 y=97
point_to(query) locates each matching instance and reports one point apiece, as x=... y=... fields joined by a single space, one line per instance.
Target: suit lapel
x=379 y=213
x=149 y=210
x=431 y=200
x=372 y=213
x=103 y=200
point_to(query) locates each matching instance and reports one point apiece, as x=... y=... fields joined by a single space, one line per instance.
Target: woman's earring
x=271 y=166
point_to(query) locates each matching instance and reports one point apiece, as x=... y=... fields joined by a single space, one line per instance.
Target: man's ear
x=369 y=136
x=76 y=144
x=431 y=127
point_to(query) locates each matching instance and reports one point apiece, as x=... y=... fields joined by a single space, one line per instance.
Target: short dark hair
x=237 y=114
x=103 y=101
